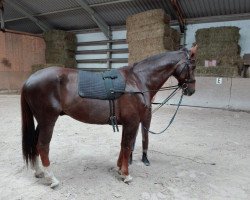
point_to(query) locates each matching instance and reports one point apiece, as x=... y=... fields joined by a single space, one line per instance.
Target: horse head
x=184 y=72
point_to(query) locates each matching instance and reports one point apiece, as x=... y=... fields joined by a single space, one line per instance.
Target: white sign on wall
x=218 y=80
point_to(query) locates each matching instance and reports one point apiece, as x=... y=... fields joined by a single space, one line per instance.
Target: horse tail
x=29 y=134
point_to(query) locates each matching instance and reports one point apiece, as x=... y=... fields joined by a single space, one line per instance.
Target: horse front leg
x=128 y=137
x=145 y=146
x=132 y=148
x=145 y=125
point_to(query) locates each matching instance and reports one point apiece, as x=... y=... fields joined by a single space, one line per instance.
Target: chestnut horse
x=53 y=91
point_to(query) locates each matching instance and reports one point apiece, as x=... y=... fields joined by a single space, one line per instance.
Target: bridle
x=183 y=86
x=187 y=62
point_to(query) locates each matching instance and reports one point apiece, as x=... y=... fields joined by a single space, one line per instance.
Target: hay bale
x=149 y=34
x=220 y=44
x=141 y=49
x=222 y=71
x=147 y=18
x=152 y=43
x=146 y=32
x=217 y=35
x=60 y=47
x=54 y=35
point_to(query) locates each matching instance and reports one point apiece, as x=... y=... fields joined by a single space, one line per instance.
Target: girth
x=108 y=77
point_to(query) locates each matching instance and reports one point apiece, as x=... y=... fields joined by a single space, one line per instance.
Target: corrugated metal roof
x=69 y=15
x=121 y=11
x=69 y=20
x=205 y=8
x=43 y=6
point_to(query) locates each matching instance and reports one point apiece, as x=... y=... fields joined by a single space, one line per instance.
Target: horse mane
x=146 y=61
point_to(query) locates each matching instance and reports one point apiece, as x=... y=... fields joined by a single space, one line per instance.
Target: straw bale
x=220 y=44
x=71 y=63
x=175 y=35
x=53 y=35
x=152 y=43
x=223 y=71
x=60 y=47
x=147 y=18
x=149 y=32
x=217 y=35
x=58 y=39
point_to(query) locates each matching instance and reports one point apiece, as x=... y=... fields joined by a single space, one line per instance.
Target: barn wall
x=99 y=36
x=230 y=93
x=17 y=54
x=244 y=26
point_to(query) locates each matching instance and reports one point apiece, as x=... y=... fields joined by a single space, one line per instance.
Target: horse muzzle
x=188 y=91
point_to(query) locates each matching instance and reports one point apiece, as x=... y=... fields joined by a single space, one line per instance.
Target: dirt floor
x=205 y=154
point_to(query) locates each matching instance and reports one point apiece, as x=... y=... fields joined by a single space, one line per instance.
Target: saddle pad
x=97 y=85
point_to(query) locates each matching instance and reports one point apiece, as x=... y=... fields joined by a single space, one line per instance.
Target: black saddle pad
x=101 y=85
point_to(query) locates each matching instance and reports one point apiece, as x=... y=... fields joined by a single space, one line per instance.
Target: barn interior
x=205 y=154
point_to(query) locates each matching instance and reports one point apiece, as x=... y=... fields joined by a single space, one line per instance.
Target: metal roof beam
x=109 y=3
x=97 y=19
x=1 y=15
x=29 y=15
x=179 y=13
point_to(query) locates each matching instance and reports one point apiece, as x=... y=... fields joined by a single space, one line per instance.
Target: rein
x=163 y=103
x=176 y=88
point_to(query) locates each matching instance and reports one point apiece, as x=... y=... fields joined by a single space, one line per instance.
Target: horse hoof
x=39 y=174
x=127 y=179
x=145 y=160
x=119 y=171
x=54 y=183
x=130 y=161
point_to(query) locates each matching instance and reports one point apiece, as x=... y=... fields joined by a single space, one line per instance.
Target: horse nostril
x=189 y=92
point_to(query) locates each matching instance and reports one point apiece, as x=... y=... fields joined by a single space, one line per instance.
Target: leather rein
x=183 y=86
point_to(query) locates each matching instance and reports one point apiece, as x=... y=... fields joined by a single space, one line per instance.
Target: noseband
x=188 y=80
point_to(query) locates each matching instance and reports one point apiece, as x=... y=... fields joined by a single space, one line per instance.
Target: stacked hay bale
x=60 y=47
x=221 y=45
x=149 y=33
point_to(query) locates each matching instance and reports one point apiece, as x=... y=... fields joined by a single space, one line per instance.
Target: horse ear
x=193 y=51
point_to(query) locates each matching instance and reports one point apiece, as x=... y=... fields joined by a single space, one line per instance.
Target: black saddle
x=108 y=85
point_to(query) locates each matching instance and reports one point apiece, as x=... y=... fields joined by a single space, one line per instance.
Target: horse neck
x=155 y=71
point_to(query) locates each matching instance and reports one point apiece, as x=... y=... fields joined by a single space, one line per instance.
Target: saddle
x=107 y=85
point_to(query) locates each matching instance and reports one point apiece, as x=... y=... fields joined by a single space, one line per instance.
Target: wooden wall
x=18 y=52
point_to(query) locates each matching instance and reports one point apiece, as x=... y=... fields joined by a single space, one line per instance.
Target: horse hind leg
x=38 y=171
x=36 y=164
x=44 y=138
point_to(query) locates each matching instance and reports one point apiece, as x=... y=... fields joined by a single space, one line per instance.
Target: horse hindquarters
x=36 y=142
